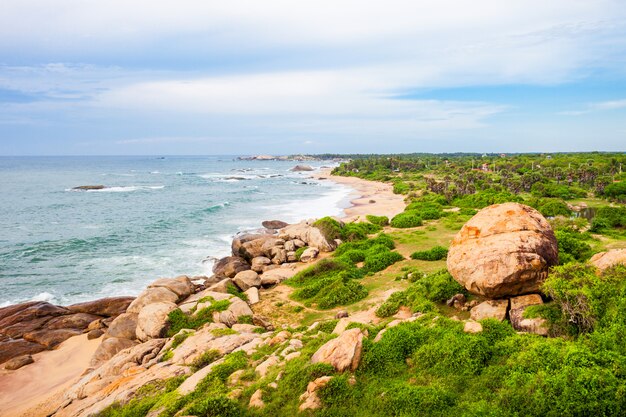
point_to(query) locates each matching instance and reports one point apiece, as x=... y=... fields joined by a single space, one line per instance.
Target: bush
x=400 y=188
x=177 y=320
x=551 y=207
x=406 y=219
x=299 y=252
x=608 y=218
x=379 y=261
x=329 y=227
x=378 y=220
x=572 y=246
x=434 y=254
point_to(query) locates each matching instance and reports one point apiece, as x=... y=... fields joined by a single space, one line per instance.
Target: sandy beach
x=369 y=197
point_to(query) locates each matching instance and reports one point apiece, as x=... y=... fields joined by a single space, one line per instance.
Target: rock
x=253 y=295
x=89 y=187
x=221 y=286
x=263 y=368
x=472 y=326
x=229 y=267
x=341 y=314
x=18 y=330
x=504 y=250
x=152 y=295
x=604 y=260
x=262 y=321
x=78 y=321
x=94 y=334
x=258 y=263
x=109 y=307
x=311 y=236
x=11 y=348
x=278 y=255
x=298 y=243
x=50 y=338
x=247 y=279
x=18 y=362
x=342 y=353
x=519 y=304
x=152 y=320
x=309 y=254
x=245 y=328
x=22 y=313
x=281 y=337
x=301 y=168
x=291 y=256
x=124 y=326
x=310 y=399
x=250 y=246
x=457 y=301
x=274 y=224
x=236 y=309
x=490 y=309
x=290 y=246
x=256 y=400
x=181 y=286
x=109 y=348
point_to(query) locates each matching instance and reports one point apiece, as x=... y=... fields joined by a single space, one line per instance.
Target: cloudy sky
x=282 y=76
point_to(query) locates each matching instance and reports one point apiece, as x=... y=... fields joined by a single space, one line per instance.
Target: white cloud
x=596 y=107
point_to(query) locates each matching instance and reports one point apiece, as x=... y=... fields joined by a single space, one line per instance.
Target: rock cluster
x=254 y=254
x=36 y=326
x=504 y=250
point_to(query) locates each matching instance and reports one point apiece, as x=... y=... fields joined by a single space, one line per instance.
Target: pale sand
x=370 y=197
x=34 y=389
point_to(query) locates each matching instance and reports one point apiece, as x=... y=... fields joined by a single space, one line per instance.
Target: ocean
x=159 y=217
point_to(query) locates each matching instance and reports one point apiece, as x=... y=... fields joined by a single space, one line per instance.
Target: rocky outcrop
x=229 y=267
x=309 y=234
x=32 y=327
x=342 y=353
x=89 y=187
x=504 y=250
x=604 y=260
x=302 y=168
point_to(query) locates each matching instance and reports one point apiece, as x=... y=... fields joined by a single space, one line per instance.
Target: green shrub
x=329 y=227
x=572 y=246
x=177 y=320
x=216 y=406
x=327 y=326
x=609 y=218
x=400 y=188
x=381 y=260
x=434 y=254
x=378 y=220
x=232 y=289
x=406 y=219
x=205 y=359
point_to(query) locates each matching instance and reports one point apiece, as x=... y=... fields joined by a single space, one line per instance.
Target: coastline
x=368 y=197
x=22 y=393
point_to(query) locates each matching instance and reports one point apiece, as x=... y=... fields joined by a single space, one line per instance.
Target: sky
x=189 y=77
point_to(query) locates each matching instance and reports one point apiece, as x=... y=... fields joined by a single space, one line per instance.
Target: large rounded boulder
x=504 y=250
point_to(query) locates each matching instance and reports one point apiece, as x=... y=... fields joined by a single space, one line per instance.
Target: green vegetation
x=434 y=254
x=406 y=219
x=378 y=220
x=300 y=251
x=332 y=229
x=179 y=320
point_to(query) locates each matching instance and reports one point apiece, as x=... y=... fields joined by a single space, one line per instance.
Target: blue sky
x=246 y=77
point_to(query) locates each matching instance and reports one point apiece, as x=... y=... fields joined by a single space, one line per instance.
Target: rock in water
x=274 y=224
x=301 y=168
x=504 y=250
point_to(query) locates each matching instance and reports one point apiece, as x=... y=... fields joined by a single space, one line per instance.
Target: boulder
x=260 y=262
x=18 y=330
x=472 y=326
x=152 y=320
x=519 y=304
x=310 y=235
x=604 y=260
x=50 y=338
x=342 y=353
x=309 y=254
x=490 y=309
x=181 y=286
x=274 y=224
x=13 y=348
x=22 y=313
x=109 y=348
x=290 y=246
x=504 y=250
x=221 y=286
x=231 y=315
x=152 y=295
x=18 y=362
x=79 y=321
x=229 y=266
x=94 y=334
x=124 y=326
x=253 y=295
x=247 y=279
x=278 y=255
x=252 y=246
x=301 y=168
x=109 y=307
x=310 y=399
x=256 y=400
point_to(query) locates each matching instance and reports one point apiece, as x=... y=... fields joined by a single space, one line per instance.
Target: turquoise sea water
x=159 y=218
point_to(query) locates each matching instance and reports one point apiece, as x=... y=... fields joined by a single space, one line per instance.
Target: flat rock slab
x=490 y=309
